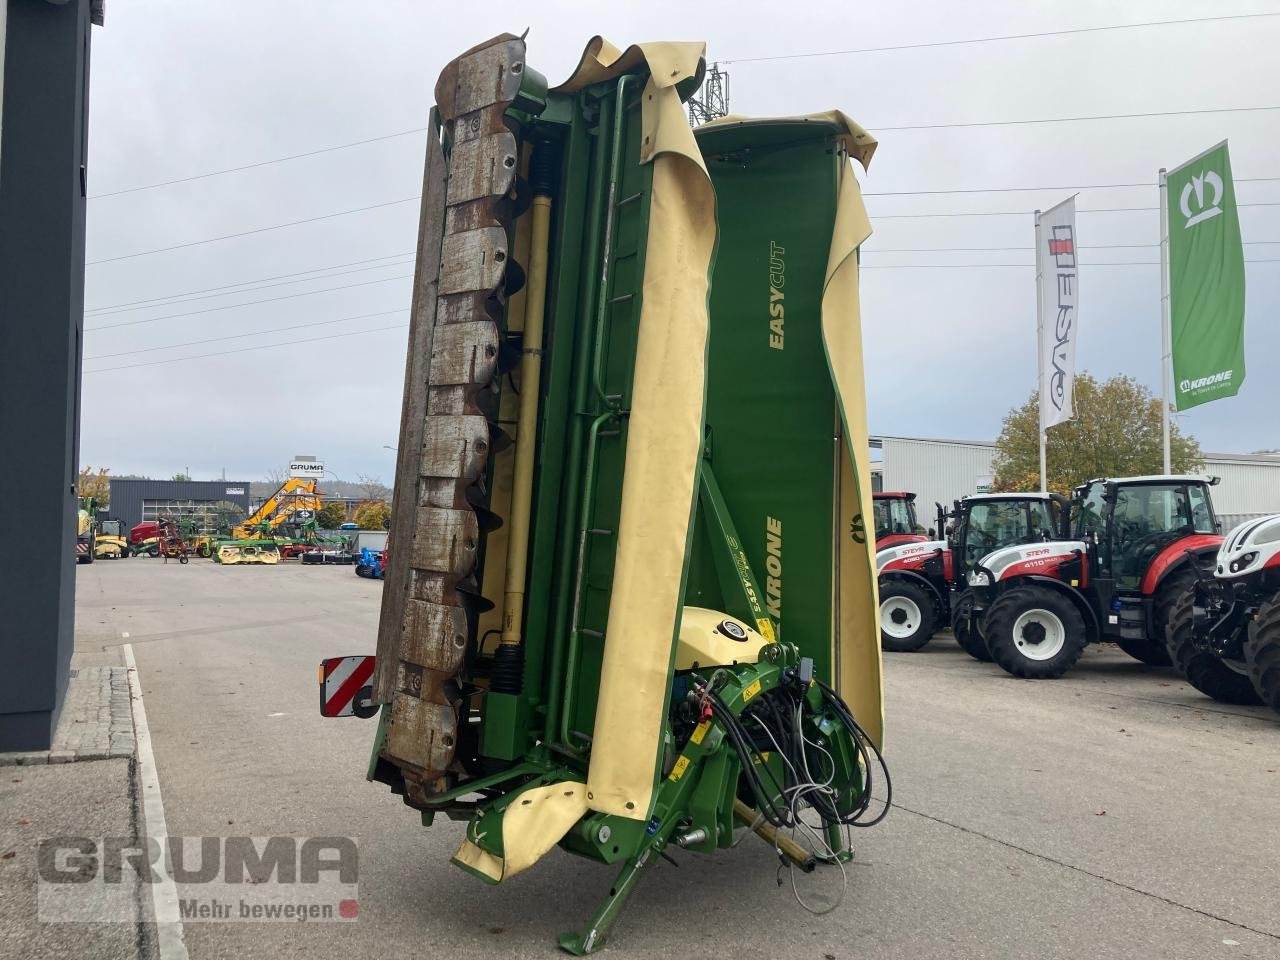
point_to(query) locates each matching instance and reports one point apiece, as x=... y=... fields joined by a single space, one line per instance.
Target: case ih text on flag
x=1206 y=280
x=1057 y=276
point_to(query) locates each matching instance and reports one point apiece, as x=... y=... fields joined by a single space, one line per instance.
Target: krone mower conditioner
x=631 y=609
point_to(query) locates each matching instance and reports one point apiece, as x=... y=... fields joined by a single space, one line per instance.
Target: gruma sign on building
x=306 y=467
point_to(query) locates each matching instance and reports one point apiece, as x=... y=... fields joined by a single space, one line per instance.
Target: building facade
x=205 y=501
x=44 y=83
x=940 y=471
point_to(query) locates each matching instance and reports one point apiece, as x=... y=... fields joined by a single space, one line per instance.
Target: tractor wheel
x=1262 y=653
x=971 y=640
x=1213 y=676
x=906 y=616
x=153 y=552
x=362 y=570
x=1157 y=651
x=1034 y=633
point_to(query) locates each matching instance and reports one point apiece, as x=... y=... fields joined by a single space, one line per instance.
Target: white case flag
x=1059 y=322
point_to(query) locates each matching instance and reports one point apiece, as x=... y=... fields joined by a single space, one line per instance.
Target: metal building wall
x=937 y=471
x=1250 y=484
x=127 y=495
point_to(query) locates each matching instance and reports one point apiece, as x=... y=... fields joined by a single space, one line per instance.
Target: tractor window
x=1147 y=518
x=893 y=515
x=1201 y=513
x=993 y=525
x=1044 y=520
x=1092 y=516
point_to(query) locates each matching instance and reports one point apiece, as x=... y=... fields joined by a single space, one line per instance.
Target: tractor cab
x=986 y=522
x=895 y=519
x=922 y=582
x=1139 y=544
x=1142 y=525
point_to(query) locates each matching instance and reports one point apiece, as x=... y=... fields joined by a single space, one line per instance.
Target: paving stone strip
x=96 y=721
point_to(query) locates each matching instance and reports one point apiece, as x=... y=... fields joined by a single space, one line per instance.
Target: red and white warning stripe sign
x=344 y=687
x=82 y=548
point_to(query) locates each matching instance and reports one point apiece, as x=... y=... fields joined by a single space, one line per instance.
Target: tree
x=1116 y=433
x=96 y=485
x=332 y=515
x=373 y=487
x=182 y=477
x=276 y=477
x=372 y=515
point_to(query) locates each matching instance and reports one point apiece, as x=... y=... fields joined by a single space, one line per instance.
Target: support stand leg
x=580 y=944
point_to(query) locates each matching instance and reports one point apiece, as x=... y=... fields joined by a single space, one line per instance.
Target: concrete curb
x=96 y=721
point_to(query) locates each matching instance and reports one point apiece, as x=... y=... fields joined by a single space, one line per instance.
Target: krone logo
x=1196 y=185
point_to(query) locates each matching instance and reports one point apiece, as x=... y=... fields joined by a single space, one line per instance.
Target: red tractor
x=895 y=517
x=1137 y=545
x=923 y=582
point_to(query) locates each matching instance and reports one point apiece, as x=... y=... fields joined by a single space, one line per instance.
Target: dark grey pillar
x=42 y=214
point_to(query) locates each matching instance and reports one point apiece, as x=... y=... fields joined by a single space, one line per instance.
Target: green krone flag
x=1206 y=280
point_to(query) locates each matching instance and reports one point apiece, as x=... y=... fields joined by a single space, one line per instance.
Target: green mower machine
x=631 y=604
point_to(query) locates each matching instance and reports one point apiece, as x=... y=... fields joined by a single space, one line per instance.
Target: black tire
x=1020 y=653
x=362 y=570
x=1155 y=650
x=153 y=552
x=971 y=641
x=1262 y=653
x=1205 y=671
x=908 y=609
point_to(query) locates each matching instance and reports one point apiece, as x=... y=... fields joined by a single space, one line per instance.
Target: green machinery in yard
x=632 y=601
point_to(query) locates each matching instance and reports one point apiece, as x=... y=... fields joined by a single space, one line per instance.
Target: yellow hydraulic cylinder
x=526 y=423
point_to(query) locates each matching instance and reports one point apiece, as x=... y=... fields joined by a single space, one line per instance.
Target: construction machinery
x=1223 y=632
x=172 y=543
x=1137 y=545
x=923 y=583
x=255 y=540
x=633 y=395
x=86 y=530
x=111 y=543
x=370 y=563
x=895 y=519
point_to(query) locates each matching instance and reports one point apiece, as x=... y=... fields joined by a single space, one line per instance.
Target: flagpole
x=1165 y=350
x=1040 y=357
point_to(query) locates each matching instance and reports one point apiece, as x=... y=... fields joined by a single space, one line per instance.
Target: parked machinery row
x=1029 y=580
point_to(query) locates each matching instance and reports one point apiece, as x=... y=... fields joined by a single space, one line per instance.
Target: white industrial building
x=939 y=471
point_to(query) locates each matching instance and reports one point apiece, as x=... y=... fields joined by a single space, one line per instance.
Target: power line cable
x=241 y=283
x=265 y=346
x=265 y=286
x=1083 y=246
x=259 y=163
x=1002 y=38
x=1102 y=116
x=1087 y=186
x=1023 y=213
x=240 y=336
x=245 y=233
x=247 y=303
x=968 y=266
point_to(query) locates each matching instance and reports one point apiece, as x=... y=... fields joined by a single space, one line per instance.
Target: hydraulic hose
x=508 y=658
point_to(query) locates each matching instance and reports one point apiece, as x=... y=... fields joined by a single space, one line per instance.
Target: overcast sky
x=184 y=88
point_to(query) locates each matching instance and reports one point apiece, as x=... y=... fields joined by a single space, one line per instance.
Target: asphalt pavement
x=1113 y=813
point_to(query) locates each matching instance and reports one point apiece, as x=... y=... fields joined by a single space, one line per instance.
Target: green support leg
x=580 y=944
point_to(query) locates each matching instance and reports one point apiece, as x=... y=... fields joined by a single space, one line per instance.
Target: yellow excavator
x=253 y=541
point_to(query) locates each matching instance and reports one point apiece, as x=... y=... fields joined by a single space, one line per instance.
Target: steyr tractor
x=1137 y=546
x=1224 y=632
x=895 y=517
x=922 y=584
